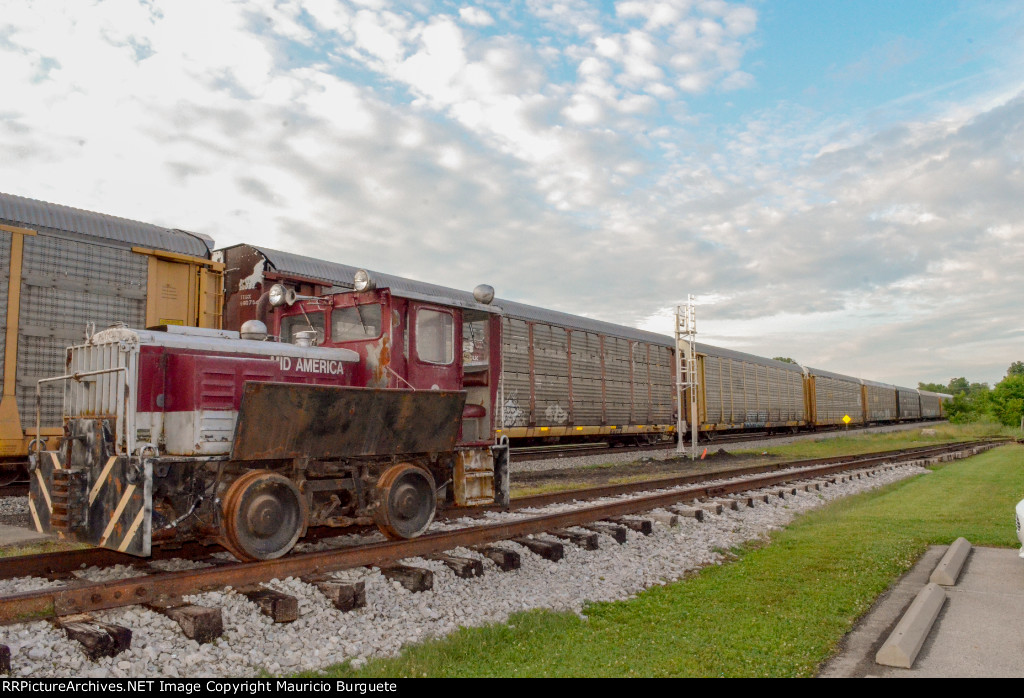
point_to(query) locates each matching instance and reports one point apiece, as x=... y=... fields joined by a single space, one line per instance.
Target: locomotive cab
x=371 y=408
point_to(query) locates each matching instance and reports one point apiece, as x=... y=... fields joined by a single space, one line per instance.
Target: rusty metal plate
x=285 y=420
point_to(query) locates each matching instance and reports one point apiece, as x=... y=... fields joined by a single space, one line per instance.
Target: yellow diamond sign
x=846 y=419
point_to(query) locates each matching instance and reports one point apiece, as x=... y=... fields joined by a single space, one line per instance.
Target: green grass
x=49 y=546
x=778 y=610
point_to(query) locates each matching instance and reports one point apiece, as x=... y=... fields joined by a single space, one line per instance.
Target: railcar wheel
x=406 y=501
x=264 y=516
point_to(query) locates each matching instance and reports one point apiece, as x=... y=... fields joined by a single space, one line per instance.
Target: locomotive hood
x=220 y=341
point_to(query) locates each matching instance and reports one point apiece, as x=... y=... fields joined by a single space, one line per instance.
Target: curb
x=902 y=646
x=948 y=569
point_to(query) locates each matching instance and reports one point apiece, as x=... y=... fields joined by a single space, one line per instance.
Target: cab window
x=357 y=322
x=474 y=342
x=292 y=324
x=435 y=341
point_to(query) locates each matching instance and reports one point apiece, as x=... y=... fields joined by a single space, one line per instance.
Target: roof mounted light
x=279 y=295
x=363 y=281
x=484 y=294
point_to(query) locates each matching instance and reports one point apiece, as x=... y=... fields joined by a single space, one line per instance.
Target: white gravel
x=395 y=617
x=13 y=506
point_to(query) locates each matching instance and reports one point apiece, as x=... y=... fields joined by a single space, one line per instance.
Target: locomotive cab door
x=434 y=362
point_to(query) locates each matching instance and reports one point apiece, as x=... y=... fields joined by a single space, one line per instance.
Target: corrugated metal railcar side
x=64 y=268
x=909 y=403
x=570 y=376
x=931 y=404
x=879 y=401
x=743 y=391
x=832 y=396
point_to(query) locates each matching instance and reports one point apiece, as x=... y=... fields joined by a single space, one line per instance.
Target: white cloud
x=476 y=16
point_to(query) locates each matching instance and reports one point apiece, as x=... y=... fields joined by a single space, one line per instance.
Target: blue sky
x=840 y=182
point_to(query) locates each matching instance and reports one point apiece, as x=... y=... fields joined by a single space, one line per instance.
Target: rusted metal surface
x=281 y=420
x=264 y=515
x=86 y=597
x=473 y=477
x=407 y=503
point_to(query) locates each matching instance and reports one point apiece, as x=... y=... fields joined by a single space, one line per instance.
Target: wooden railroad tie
x=689 y=512
x=618 y=533
x=665 y=518
x=97 y=639
x=200 y=623
x=281 y=608
x=463 y=567
x=5 y=659
x=547 y=549
x=345 y=596
x=412 y=578
x=506 y=560
x=644 y=526
x=587 y=541
x=711 y=507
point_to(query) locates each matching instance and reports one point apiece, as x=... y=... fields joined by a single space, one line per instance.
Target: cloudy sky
x=840 y=182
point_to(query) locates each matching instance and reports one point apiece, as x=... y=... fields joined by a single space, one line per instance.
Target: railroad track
x=564 y=450
x=163 y=591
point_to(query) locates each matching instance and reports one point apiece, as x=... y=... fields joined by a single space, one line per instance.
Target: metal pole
x=693 y=376
x=686 y=372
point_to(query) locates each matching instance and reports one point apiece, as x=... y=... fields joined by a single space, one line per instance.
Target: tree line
x=974 y=402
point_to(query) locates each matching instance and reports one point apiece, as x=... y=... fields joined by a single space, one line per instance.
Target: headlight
x=278 y=295
x=483 y=294
x=363 y=281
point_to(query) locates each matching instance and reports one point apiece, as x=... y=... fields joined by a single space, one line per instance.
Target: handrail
x=78 y=376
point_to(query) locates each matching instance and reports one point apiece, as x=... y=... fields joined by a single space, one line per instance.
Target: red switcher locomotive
x=368 y=408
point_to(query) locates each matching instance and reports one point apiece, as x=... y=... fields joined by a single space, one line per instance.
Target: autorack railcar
x=879 y=402
x=833 y=396
x=908 y=404
x=739 y=391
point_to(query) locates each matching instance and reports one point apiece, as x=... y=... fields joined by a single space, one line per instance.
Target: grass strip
x=778 y=610
x=860 y=442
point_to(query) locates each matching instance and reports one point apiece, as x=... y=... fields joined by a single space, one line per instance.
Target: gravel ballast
x=394 y=616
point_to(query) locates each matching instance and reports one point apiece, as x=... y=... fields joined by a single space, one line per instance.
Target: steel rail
x=82 y=597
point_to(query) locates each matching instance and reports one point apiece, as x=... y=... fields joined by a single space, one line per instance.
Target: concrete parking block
x=902 y=646
x=948 y=569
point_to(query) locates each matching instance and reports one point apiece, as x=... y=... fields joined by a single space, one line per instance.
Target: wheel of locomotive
x=406 y=500
x=264 y=516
